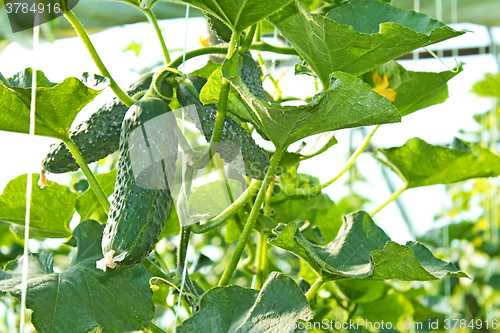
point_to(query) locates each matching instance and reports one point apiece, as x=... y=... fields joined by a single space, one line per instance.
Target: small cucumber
x=137 y=214
x=255 y=158
x=251 y=75
x=96 y=137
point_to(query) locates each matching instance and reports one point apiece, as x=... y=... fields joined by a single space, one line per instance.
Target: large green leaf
x=421 y=164
x=363 y=250
x=88 y=203
x=82 y=297
x=357 y=36
x=52 y=207
x=239 y=14
x=349 y=102
x=415 y=90
x=234 y=309
x=56 y=105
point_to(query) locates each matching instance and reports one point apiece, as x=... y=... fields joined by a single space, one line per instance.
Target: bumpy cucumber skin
x=255 y=158
x=96 y=137
x=137 y=215
x=251 y=76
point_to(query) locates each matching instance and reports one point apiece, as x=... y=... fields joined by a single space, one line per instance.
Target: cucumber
x=255 y=158
x=96 y=137
x=251 y=76
x=140 y=205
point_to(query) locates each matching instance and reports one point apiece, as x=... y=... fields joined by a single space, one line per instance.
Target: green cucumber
x=251 y=75
x=137 y=214
x=96 y=137
x=255 y=158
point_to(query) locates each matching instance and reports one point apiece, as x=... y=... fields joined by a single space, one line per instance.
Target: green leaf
x=415 y=90
x=362 y=291
x=234 y=309
x=23 y=79
x=357 y=36
x=349 y=102
x=319 y=210
x=82 y=297
x=321 y=143
x=363 y=250
x=172 y=224
x=56 y=105
x=489 y=86
x=393 y=308
x=206 y=70
x=213 y=198
x=421 y=164
x=239 y=14
x=88 y=203
x=52 y=207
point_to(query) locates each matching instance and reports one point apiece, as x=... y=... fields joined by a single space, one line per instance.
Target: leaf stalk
x=94 y=184
x=391 y=199
x=154 y=22
x=95 y=56
x=252 y=218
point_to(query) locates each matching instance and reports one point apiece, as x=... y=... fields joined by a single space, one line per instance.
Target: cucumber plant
x=307 y=258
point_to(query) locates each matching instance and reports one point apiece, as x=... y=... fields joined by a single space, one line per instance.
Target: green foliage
x=352 y=43
x=363 y=250
x=56 y=105
x=238 y=14
x=51 y=211
x=295 y=238
x=415 y=90
x=328 y=111
x=237 y=309
x=421 y=164
x=82 y=297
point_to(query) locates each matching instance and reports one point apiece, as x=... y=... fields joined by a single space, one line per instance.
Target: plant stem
x=248 y=41
x=315 y=288
x=156 y=271
x=229 y=211
x=152 y=18
x=93 y=53
x=352 y=159
x=267 y=200
x=252 y=218
x=391 y=199
x=94 y=184
x=261 y=271
x=313 y=190
x=260 y=46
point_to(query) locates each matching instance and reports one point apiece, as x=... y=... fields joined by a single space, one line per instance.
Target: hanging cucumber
x=255 y=158
x=251 y=75
x=141 y=200
x=96 y=137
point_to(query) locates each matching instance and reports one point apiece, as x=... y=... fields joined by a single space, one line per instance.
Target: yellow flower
x=203 y=41
x=382 y=87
